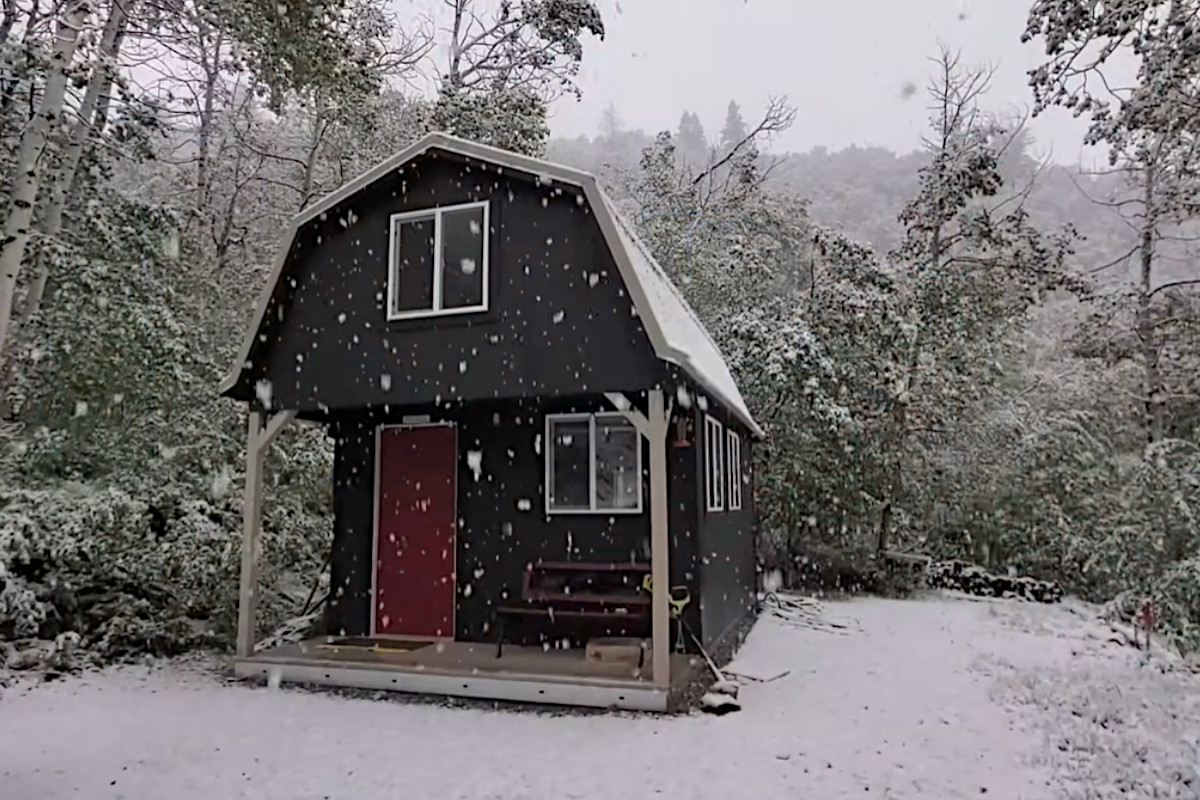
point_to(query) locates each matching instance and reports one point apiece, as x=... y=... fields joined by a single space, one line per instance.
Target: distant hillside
x=861 y=190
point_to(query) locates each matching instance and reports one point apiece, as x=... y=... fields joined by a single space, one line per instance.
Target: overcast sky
x=843 y=63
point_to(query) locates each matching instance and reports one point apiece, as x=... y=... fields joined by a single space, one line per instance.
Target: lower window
x=593 y=464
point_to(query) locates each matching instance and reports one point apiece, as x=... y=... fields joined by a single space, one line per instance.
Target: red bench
x=580 y=592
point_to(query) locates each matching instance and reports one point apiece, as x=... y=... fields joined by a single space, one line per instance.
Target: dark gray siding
x=348 y=612
x=726 y=546
x=496 y=538
x=560 y=321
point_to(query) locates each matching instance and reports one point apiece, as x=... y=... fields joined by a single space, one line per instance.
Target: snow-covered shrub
x=145 y=574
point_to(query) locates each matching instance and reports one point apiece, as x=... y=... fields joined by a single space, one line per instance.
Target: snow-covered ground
x=939 y=698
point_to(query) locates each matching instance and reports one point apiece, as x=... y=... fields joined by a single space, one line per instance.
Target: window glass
x=570 y=457
x=714 y=448
x=412 y=283
x=617 y=478
x=734 y=462
x=462 y=258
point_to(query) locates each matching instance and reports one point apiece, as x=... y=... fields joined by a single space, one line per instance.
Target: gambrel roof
x=674 y=330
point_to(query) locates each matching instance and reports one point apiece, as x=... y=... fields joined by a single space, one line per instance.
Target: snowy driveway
x=908 y=703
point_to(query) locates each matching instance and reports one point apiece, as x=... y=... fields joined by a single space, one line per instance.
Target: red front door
x=414 y=553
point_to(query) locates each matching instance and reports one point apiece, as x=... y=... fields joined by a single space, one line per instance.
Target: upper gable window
x=438 y=261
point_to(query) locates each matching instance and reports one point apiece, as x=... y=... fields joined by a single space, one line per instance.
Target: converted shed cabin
x=533 y=434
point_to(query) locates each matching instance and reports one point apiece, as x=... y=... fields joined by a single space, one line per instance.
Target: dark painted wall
x=726 y=544
x=560 y=321
x=348 y=611
x=496 y=538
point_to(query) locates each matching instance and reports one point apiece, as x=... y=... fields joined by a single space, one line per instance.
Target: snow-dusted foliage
x=505 y=64
x=513 y=120
x=956 y=396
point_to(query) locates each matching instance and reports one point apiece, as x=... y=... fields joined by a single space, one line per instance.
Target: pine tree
x=691 y=142
x=735 y=130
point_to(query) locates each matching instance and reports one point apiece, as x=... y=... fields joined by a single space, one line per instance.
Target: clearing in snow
x=936 y=698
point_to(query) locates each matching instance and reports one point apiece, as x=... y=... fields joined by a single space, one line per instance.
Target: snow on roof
x=684 y=335
x=674 y=330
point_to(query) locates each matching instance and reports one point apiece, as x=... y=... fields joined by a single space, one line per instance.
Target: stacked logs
x=971 y=579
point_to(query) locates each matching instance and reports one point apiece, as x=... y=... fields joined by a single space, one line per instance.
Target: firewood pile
x=972 y=579
x=804 y=612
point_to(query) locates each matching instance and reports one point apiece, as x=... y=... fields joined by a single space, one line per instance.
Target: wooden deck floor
x=527 y=674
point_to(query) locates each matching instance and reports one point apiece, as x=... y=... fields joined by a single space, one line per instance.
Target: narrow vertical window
x=733 y=458
x=714 y=463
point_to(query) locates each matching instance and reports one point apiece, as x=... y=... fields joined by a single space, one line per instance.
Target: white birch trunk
x=17 y=228
x=79 y=136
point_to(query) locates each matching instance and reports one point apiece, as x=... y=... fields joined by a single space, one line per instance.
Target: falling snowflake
x=524 y=504
x=385 y=382
x=475 y=463
x=558 y=316
x=468 y=266
x=262 y=391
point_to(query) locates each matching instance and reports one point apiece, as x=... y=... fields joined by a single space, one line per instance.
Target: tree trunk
x=26 y=183
x=79 y=136
x=885 y=527
x=100 y=118
x=9 y=93
x=314 y=146
x=9 y=19
x=211 y=64
x=1146 y=329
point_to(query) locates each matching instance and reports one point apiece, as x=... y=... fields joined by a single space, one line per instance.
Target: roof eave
x=682 y=361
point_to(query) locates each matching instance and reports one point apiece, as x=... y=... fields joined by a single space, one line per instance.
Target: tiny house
x=533 y=433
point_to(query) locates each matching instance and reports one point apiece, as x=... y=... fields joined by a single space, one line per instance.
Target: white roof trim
x=675 y=331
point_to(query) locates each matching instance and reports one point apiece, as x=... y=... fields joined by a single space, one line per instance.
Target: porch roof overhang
x=675 y=332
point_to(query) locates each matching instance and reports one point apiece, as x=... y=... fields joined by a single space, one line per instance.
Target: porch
x=470 y=568
x=470 y=669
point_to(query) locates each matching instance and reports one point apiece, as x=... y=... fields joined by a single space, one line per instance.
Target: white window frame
x=733 y=464
x=396 y=221
x=548 y=438
x=714 y=464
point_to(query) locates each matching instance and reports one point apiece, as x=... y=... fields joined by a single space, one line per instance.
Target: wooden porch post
x=247 y=633
x=653 y=428
x=659 y=539
x=261 y=431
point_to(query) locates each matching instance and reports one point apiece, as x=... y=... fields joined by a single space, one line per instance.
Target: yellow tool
x=677 y=599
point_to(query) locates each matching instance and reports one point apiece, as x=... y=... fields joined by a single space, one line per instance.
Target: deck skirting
x=509 y=687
